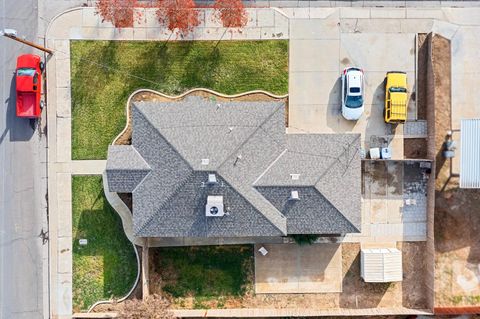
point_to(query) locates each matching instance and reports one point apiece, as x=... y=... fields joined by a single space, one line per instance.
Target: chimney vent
x=212 y=179
x=294 y=196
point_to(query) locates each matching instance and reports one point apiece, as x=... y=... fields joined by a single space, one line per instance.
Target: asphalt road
x=22 y=181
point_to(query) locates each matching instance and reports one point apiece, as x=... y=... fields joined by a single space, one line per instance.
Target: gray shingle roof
x=126 y=168
x=245 y=144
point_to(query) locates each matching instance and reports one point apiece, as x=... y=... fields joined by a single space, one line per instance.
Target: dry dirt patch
x=356 y=294
x=457 y=218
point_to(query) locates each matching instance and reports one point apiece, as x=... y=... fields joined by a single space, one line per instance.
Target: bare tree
x=180 y=15
x=153 y=307
x=232 y=13
x=119 y=12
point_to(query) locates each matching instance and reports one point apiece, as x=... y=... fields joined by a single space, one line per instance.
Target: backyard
x=202 y=276
x=212 y=277
x=106 y=267
x=105 y=73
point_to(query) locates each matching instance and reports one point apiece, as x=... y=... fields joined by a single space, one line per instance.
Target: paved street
x=22 y=188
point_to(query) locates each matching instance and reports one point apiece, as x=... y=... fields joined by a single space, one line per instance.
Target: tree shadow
x=376 y=125
x=112 y=253
x=440 y=160
x=157 y=65
x=335 y=119
x=201 y=71
x=18 y=129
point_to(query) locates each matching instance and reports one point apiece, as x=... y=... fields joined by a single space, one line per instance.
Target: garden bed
x=125 y=138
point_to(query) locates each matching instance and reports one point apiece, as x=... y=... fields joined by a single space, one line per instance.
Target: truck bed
x=26 y=104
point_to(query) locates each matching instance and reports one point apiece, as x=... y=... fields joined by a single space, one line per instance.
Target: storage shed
x=381 y=264
x=470 y=153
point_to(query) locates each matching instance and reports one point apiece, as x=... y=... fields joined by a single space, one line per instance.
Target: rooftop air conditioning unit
x=214 y=207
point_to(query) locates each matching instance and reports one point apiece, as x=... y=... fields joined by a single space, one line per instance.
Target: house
x=204 y=168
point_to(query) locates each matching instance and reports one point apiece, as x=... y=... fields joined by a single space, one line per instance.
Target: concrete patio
x=299 y=269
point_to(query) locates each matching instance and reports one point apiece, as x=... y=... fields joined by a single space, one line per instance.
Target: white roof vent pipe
x=294 y=196
x=212 y=179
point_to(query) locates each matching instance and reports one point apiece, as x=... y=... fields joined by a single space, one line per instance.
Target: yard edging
x=100 y=302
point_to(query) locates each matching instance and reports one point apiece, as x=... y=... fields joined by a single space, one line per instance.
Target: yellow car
x=396 y=97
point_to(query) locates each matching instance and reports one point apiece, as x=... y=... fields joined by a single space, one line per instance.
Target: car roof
x=354 y=78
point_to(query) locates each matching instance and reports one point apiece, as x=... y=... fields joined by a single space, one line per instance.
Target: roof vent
x=205 y=161
x=212 y=179
x=295 y=177
x=214 y=207
x=239 y=157
x=294 y=196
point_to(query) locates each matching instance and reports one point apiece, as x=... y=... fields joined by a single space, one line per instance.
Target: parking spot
x=315 y=85
x=380 y=52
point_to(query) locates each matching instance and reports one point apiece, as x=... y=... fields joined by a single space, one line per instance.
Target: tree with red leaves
x=119 y=12
x=178 y=14
x=231 y=12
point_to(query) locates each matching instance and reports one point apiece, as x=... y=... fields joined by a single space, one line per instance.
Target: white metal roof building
x=381 y=265
x=470 y=153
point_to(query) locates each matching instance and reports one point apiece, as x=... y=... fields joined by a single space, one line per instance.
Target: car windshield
x=355 y=90
x=26 y=72
x=394 y=89
x=354 y=101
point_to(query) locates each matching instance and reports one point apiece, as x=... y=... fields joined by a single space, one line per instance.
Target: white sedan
x=352 y=93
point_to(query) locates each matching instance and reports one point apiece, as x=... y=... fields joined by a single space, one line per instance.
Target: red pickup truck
x=28 y=76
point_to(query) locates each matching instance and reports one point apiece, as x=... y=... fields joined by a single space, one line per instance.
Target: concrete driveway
x=319 y=50
x=290 y=268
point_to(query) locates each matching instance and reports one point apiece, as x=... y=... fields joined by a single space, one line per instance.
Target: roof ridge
x=149 y=168
x=270 y=165
x=279 y=222
x=339 y=212
x=186 y=178
x=162 y=204
x=336 y=160
x=140 y=155
x=163 y=137
x=259 y=127
x=335 y=163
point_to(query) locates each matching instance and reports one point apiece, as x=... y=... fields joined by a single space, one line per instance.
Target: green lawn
x=107 y=265
x=204 y=272
x=105 y=73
